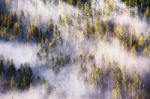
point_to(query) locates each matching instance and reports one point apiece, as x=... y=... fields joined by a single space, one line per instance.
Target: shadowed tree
x=1 y=67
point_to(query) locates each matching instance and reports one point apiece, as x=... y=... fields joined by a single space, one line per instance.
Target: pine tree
x=117 y=75
x=137 y=81
x=98 y=28
x=18 y=29
x=1 y=67
x=11 y=68
x=70 y=1
x=124 y=76
x=147 y=12
x=79 y=4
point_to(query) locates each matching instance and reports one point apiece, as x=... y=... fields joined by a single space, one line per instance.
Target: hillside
x=74 y=49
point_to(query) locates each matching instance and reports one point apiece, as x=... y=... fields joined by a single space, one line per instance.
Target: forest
x=75 y=49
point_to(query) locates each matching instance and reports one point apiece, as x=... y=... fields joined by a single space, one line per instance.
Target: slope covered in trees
x=85 y=48
x=16 y=78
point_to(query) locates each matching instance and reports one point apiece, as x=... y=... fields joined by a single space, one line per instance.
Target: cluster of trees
x=127 y=87
x=60 y=62
x=12 y=28
x=143 y=5
x=15 y=78
x=116 y=80
x=76 y=2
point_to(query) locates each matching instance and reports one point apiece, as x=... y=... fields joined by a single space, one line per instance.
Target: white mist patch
x=69 y=87
x=118 y=12
x=33 y=93
x=136 y=26
x=40 y=13
x=114 y=52
x=68 y=84
x=20 y=53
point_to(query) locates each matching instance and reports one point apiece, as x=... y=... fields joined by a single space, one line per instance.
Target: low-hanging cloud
x=39 y=12
x=19 y=52
x=68 y=84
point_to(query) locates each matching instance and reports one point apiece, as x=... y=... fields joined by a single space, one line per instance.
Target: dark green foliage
x=1 y=67
x=117 y=75
x=143 y=5
x=60 y=62
x=25 y=76
x=11 y=69
x=20 y=78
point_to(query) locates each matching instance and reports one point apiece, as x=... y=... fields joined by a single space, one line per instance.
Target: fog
x=19 y=52
x=39 y=12
x=68 y=84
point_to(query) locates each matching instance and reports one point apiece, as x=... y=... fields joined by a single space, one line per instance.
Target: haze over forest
x=74 y=49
